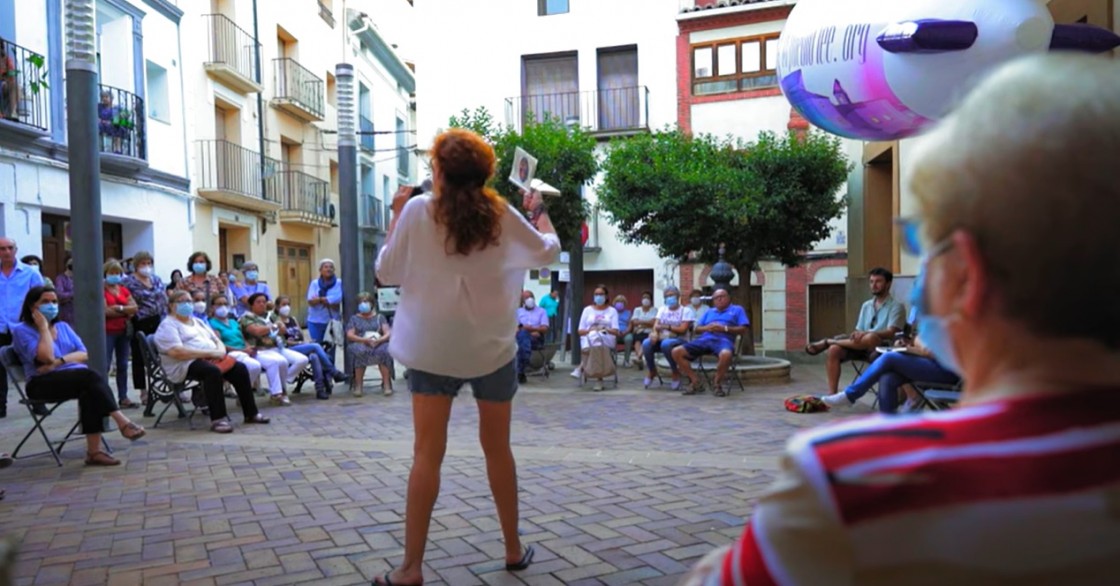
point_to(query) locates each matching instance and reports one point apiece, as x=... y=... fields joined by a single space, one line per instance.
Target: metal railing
x=326 y=14
x=365 y=127
x=304 y=193
x=605 y=110
x=231 y=45
x=232 y=168
x=121 y=123
x=24 y=89
x=373 y=216
x=297 y=84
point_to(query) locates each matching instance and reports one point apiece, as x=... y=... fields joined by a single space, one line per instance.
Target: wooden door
x=113 y=241
x=827 y=304
x=54 y=245
x=294 y=263
x=223 y=250
x=754 y=313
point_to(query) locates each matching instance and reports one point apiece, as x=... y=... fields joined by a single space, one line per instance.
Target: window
x=550 y=87
x=619 y=93
x=332 y=90
x=547 y=7
x=735 y=65
x=402 y=149
x=158 y=102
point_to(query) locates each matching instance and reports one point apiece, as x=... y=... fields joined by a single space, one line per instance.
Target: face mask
x=145 y=270
x=671 y=301
x=365 y=307
x=285 y=311
x=530 y=303
x=696 y=302
x=49 y=310
x=932 y=329
x=600 y=300
x=114 y=279
x=34 y=268
x=251 y=276
x=185 y=309
x=199 y=306
x=646 y=303
x=222 y=311
x=199 y=268
x=620 y=306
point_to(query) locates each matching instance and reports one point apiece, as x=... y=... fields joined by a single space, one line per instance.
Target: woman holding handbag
x=189 y=349
x=324 y=298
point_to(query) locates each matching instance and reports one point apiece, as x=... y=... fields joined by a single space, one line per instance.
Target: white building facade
x=145 y=194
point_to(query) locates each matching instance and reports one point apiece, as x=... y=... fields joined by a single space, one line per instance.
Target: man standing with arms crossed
x=16 y=279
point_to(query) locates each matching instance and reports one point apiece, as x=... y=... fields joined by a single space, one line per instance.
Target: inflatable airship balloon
x=887 y=69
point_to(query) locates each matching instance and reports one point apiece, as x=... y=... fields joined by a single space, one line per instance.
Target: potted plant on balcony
x=36 y=74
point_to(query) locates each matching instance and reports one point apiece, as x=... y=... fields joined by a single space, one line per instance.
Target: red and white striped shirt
x=1023 y=491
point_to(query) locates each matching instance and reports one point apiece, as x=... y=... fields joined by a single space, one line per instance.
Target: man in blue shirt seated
x=718 y=329
x=532 y=323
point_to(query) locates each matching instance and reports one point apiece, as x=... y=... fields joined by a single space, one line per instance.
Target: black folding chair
x=14 y=367
x=540 y=360
x=937 y=396
x=709 y=373
x=308 y=373
x=162 y=389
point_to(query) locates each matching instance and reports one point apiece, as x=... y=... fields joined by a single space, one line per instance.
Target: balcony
x=326 y=14
x=606 y=112
x=306 y=199
x=365 y=127
x=373 y=214
x=121 y=131
x=230 y=174
x=232 y=57
x=298 y=91
x=24 y=96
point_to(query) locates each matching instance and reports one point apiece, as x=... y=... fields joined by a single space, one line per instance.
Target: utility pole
x=575 y=274
x=348 y=193
x=85 y=179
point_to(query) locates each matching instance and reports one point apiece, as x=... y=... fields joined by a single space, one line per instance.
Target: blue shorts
x=706 y=345
x=498 y=386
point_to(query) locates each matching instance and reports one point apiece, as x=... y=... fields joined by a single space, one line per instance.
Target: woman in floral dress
x=367 y=340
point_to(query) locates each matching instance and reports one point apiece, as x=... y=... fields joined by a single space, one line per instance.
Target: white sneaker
x=837 y=400
x=910 y=406
x=576 y=373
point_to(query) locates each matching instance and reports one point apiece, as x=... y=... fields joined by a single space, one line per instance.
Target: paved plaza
x=619 y=487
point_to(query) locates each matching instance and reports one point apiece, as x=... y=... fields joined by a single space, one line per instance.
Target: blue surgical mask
x=185 y=309
x=932 y=329
x=222 y=311
x=365 y=307
x=199 y=268
x=251 y=276
x=671 y=301
x=114 y=279
x=49 y=310
x=600 y=300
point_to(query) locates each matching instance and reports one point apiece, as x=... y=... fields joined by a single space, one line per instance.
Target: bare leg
x=722 y=364
x=93 y=443
x=501 y=469
x=359 y=378
x=680 y=356
x=835 y=356
x=429 y=419
x=386 y=378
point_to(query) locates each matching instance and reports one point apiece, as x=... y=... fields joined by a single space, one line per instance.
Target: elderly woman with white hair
x=1018 y=204
x=324 y=298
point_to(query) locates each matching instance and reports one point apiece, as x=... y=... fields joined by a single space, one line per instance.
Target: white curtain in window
x=619 y=100
x=550 y=87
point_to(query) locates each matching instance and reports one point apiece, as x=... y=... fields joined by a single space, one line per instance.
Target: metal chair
x=709 y=373
x=308 y=373
x=540 y=360
x=937 y=396
x=160 y=387
x=614 y=358
x=14 y=367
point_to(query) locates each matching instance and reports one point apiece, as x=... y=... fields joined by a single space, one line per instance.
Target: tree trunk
x=741 y=296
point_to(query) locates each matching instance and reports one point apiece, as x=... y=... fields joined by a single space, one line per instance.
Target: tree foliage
x=565 y=159
x=688 y=195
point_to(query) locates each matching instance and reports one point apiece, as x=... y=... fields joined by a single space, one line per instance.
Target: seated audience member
x=624 y=327
x=190 y=349
x=880 y=318
x=367 y=340
x=229 y=331
x=598 y=328
x=717 y=331
x=641 y=326
x=322 y=366
x=241 y=290
x=200 y=307
x=264 y=337
x=696 y=302
x=54 y=361
x=1018 y=484
x=532 y=325
x=670 y=329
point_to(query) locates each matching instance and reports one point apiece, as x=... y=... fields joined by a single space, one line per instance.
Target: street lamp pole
x=575 y=275
x=348 y=194
x=85 y=179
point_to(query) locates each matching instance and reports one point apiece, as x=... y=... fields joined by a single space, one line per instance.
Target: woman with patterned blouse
x=367 y=340
x=151 y=296
x=200 y=280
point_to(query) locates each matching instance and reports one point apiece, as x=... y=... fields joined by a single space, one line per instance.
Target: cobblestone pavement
x=618 y=487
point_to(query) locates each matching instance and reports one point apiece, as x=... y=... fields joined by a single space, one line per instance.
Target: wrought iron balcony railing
x=373 y=216
x=121 y=123
x=614 y=110
x=296 y=85
x=24 y=91
x=226 y=167
x=305 y=194
x=365 y=126
x=232 y=50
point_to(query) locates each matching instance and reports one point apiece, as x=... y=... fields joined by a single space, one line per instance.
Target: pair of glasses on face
x=912 y=243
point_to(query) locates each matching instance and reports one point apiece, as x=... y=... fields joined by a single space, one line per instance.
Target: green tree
x=565 y=159
x=686 y=196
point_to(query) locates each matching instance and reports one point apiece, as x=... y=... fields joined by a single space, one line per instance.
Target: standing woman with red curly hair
x=460 y=256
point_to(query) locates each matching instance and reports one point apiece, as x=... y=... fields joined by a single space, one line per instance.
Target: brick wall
x=798 y=280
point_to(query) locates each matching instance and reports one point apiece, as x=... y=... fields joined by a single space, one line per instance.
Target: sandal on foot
x=695 y=389
x=127 y=404
x=815 y=348
x=221 y=426
x=526 y=560
x=5 y=460
x=385 y=581
x=101 y=459
x=132 y=431
x=258 y=418
x=720 y=392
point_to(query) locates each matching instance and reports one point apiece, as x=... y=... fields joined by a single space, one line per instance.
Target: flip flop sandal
x=387 y=582
x=132 y=431
x=720 y=392
x=526 y=560
x=260 y=418
x=694 y=390
x=815 y=348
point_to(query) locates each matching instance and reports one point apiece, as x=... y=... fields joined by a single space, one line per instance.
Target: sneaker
x=322 y=394
x=339 y=376
x=647 y=381
x=676 y=385
x=280 y=400
x=837 y=400
x=911 y=406
x=576 y=373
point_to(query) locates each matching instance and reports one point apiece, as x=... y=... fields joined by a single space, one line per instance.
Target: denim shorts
x=706 y=345
x=498 y=386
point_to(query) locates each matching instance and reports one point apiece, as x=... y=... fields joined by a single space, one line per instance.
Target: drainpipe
x=260 y=110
